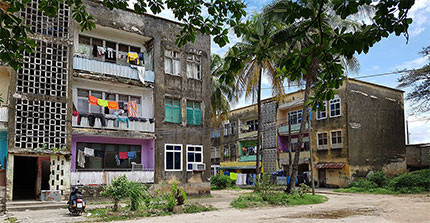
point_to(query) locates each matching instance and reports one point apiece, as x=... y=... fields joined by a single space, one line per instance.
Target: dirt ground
x=341 y=207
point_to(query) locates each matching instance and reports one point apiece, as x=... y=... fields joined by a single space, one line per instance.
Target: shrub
x=222 y=181
x=362 y=183
x=411 y=182
x=137 y=193
x=263 y=184
x=117 y=190
x=379 y=178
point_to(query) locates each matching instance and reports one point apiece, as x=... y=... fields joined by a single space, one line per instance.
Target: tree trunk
x=257 y=164
x=290 y=164
x=115 y=205
x=305 y=113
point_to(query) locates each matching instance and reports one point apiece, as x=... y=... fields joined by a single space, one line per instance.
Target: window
x=173 y=157
x=212 y=133
x=296 y=117
x=322 y=140
x=213 y=150
x=172 y=62
x=322 y=114
x=233 y=151
x=104 y=156
x=193 y=67
x=226 y=152
x=217 y=152
x=194 y=113
x=85 y=107
x=251 y=126
x=226 y=128
x=335 y=109
x=336 y=139
x=233 y=128
x=218 y=132
x=194 y=156
x=172 y=110
x=249 y=150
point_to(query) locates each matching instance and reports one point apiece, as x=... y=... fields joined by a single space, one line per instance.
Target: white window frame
x=175 y=57
x=194 y=60
x=217 y=152
x=333 y=101
x=201 y=152
x=226 y=128
x=165 y=156
x=295 y=113
x=319 y=113
x=322 y=147
x=212 y=133
x=336 y=145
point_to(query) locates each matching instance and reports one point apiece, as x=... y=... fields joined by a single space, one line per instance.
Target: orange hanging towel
x=113 y=105
x=132 y=108
x=93 y=100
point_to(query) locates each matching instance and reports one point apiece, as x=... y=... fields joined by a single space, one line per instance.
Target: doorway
x=321 y=178
x=24 y=178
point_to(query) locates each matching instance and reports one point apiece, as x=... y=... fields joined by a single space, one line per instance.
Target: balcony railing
x=3 y=114
x=106 y=177
x=247 y=134
x=294 y=128
x=113 y=69
x=138 y=126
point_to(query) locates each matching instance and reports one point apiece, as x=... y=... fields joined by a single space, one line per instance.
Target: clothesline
x=89 y=152
x=114 y=105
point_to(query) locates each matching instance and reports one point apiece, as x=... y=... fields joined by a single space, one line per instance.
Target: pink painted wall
x=147 y=147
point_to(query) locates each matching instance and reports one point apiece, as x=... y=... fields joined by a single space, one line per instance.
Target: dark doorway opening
x=24 y=178
x=321 y=178
x=46 y=171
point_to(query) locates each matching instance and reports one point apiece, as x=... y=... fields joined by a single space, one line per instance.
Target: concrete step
x=34 y=205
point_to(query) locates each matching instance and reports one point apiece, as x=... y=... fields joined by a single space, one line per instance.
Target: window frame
x=337 y=145
x=298 y=114
x=194 y=109
x=201 y=152
x=340 y=107
x=194 y=60
x=322 y=146
x=233 y=128
x=174 y=56
x=226 y=129
x=174 y=151
x=320 y=112
x=172 y=106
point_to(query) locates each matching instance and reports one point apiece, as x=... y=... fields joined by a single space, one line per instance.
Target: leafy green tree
x=419 y=81
x=212 y=17
x=256 y=53
x=117 y=190
x=221 y=92
x=315 y=47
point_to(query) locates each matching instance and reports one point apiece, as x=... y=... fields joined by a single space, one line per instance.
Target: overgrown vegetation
x=142 y=203
x=220 y=182
x=379 y=183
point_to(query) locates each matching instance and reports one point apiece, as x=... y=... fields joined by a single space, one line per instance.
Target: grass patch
x=366 y=191
x=12 y=219
x=226 y=188
x=275 y=199
x=196 y=208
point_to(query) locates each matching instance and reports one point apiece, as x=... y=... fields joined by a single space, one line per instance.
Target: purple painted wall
x=147 y=147
x=283 y=143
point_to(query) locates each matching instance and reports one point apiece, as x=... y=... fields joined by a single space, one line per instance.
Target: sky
x=390 y=54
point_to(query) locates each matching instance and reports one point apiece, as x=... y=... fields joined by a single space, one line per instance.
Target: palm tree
x=221 y=93
x=294 y=38
x=256 y=53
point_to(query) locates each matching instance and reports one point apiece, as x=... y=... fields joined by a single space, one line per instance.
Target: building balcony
x=117 y=70
x=106 y=177
x=294 y=128
x=138 y=126
x=244 y=135
x=3 y=114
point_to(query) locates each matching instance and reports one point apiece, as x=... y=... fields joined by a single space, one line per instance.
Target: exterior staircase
x=13 y=206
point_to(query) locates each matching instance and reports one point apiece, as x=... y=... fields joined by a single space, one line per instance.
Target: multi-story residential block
x=121 y=99
x=360 y=130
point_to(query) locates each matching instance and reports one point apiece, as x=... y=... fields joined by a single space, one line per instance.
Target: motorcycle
x=76 y=203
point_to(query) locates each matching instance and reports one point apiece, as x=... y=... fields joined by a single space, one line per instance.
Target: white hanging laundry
x=88 y=151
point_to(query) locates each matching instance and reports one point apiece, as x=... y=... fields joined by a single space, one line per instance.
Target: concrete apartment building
x=148 y=119
x=360 y=130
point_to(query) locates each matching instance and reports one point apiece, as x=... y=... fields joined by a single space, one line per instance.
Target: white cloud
x=420 y=13
x=416 y=63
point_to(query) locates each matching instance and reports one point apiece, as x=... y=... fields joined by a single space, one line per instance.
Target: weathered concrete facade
x=40 y=110
x=269 y=136
x=418 y=156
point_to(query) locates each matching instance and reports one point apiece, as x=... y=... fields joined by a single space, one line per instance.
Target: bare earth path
x=341 y=207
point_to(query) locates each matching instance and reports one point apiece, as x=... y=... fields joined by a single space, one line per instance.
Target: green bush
x=263 y=184
x=137 y=194
x=362 y=183
x=411 y=182
x=117 y=190
x=379 y=178
x=222 y=181
x=276 y=199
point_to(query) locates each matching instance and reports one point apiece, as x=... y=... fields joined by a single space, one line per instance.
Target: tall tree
x=319 y=62
x=419 y=81
x=256 y=53
x=221 y=92
x=211 y=17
